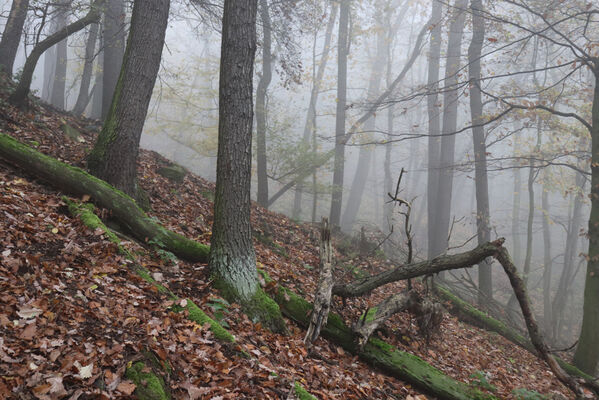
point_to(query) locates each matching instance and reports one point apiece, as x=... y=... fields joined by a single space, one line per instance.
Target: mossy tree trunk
x=19 y=96
x=114 y=156
x=11 y=37
x=232 y=257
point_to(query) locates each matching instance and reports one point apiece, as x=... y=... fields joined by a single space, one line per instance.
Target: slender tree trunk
x=587 y=353
x=365 y=155
x=19 y=96
x=442 y=202
x=516 y=216
x=11 y=37
x=483 y=214
x=263 y=84
x=90 y=47
x=570 y=254
x=114 y=156
x=49 y=66
x=114 y=48
x=310 y=124
x=57 y=98
x=434 y=124
x=96 y=107
x=339 y=163
x=547 y=314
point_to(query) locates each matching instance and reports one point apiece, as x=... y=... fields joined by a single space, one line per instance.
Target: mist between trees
x=490 y=107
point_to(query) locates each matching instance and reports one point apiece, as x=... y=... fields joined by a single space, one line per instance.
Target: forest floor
x=73 y=314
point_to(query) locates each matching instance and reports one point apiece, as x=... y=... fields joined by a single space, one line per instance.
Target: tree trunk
x=96 y=107
x=90 y=47
x=11 y=37
x=19 y=96
x=485 y=280
x=263 y=84
x=310 y=124
x=232 y=257
x=114 y=156
x=57 y=97
x=339 y=163
x=547 y=313
x=516 y=215
x=49 y=66
x=434 y=125
x=570 y=254
x=442 y=202
x=114 y=48
x=587 y=352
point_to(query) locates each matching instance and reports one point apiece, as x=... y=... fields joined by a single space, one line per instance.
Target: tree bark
x=434 y=124
x=57 y=98
x=339 y=163
x=587 y=352
x=11 y=37
x=547 y=313
x=443 y=196
x=19 y=96
x=516 y=243
x=114 y=156
x=96 y=107
x=90 y=47
x=114 y=49
x=261 y=113
x=483 y=214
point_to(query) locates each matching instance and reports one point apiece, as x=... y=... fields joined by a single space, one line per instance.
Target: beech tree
x=11 y=37
x=114 y=156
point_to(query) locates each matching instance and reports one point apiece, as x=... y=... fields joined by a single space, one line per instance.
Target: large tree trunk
x=114 y=156
x=483 y=214
x=444 y=192
x=310 y=124
x=434 y=125
x=339 y=163
x=57 y=97
x=90 y=47
x=587 y=353
x=261 y=105
x=78 y=182
x=19 y=96
x=11 y=37
x=114 y=49
x=232 y=257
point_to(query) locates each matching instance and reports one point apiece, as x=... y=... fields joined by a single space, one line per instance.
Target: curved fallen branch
x=76 y=181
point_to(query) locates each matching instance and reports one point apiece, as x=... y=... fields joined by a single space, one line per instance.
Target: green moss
x=149 y=385
x=370 y=314
x=301 y=393
x=200 y=317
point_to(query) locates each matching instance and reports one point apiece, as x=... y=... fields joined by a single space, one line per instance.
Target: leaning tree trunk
x=450 y=114
x=339 y=163
x=19 y=96
x=434 y=126
x=90 y=47
x=587 y=352
x=57 y=98
x=485 y=279
x=263 y=84
x=11 y=37
x=114 y=48
x=310 y=124
x=114 y=156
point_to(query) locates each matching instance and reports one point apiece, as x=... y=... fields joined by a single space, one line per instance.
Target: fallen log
x=78 y=182
x=438 y=264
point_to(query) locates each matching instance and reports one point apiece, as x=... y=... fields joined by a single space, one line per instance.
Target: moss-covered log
x=124 y=208
x=470 y=314
x=149 y=384
x=379 y=354
x=195 y=314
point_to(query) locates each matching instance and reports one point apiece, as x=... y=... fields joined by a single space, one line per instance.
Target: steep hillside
x=74 y=314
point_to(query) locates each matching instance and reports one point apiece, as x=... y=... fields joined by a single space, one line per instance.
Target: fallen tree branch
x=438 y=264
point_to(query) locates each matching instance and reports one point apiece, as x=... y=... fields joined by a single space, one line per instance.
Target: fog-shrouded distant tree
x=86 y=77
x=232 y=256
x=57 y=96
x=114 y=156
x=114 y=47
x=11 y=37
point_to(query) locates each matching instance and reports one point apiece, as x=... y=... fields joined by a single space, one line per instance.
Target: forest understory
x=75 y=316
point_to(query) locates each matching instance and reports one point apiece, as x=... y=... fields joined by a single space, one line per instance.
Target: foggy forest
x=299 y=199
